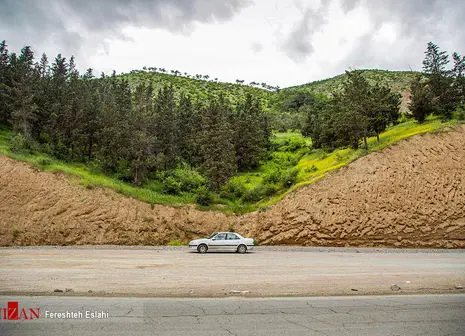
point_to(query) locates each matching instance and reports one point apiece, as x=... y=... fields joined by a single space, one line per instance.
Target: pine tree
x=59 y=105
x=385 y=110
x=22 y=93
x=358 y=106
x=167 y=129
x=142 y=153
x=435 y=68
x=92 y=107
x=458 y=73
x=5 y=82
x=250 y=137
x=115 y=118
x=73 y=118
x=42 y=99
x=435 y=61
x=217 y=144
x=420 y=101
x=189 y=126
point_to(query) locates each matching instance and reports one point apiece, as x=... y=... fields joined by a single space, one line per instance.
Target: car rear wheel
x=242 y=249
x=202 y=248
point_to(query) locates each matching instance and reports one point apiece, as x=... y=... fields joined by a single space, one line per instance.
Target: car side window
x=232 y=236
x=220 y=236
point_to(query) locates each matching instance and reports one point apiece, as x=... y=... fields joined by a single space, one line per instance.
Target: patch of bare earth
x=411 y=194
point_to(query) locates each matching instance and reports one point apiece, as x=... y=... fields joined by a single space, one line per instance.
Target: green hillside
x=287 y=102
x=398 y=81
x=197 y=88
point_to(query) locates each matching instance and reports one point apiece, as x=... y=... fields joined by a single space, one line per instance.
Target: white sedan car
x=222 y=241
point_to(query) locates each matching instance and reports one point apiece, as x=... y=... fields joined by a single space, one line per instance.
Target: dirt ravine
x=411 y=194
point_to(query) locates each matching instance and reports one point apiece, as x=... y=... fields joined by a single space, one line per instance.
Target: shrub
x=183 y=179
x=403 y=118
x=274 y=175
x=23 y=143
x=234 y=188
x=286 y=158
x=270 y=189
x=460 y=112
x=256 y=194
x=294 y=143
x=190 y=178
x=123 y=171
x=290 y=177
x=61 y=151
x=171 y=186
x=285 y=178
x=311 y=169
x=18 y=143
x=204 y=197
x=175 y=242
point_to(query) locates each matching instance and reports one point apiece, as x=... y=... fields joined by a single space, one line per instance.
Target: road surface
x=404 y=315
x=175 y=272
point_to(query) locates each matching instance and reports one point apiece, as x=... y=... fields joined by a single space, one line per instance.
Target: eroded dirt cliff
x=411 y=194
x=38 y=208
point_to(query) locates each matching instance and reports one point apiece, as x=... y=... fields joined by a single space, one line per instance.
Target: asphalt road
x=423 y=315
x=165 y=272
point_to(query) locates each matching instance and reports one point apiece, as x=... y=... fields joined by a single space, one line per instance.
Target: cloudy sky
x=281 y=42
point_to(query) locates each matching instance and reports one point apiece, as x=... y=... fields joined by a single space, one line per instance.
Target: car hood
x=198 y=241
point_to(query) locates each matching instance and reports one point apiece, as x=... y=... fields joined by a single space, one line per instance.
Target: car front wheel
x=202 y=248
x=242 y=249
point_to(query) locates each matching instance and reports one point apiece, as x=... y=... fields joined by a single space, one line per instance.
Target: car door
x=232 y=240
x=218 y=242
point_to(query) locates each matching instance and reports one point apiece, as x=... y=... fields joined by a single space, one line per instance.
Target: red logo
x=14 y=313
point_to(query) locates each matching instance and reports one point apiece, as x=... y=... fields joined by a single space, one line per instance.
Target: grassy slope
x=200 y=89
x=398 y=81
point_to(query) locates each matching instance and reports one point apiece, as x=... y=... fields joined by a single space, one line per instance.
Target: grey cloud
x=413 y=16
x=174 y=14
x=68 y=24
x=418 y=21
x=348 y=5
x=298 y=44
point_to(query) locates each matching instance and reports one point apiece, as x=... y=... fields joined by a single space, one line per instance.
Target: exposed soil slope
x=411 y=194
x=38 y=208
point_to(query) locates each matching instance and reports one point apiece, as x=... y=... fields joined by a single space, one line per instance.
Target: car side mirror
x=213 y=238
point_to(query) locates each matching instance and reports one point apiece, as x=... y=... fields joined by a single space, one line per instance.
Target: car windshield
x=212 y=235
